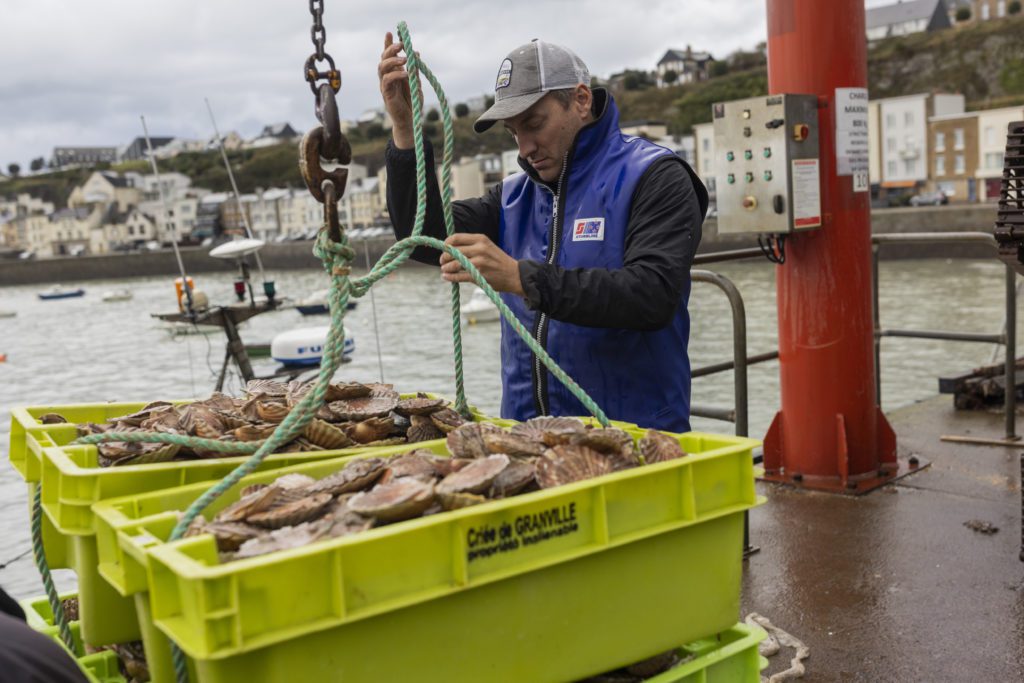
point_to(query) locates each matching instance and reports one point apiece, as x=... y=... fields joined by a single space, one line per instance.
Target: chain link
x=318 y=33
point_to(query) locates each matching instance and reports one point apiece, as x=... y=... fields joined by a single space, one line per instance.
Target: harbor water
x=85 y=350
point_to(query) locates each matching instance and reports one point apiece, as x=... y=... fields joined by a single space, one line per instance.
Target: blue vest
x=639 y=377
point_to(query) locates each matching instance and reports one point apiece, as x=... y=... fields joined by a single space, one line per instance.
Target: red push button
x=749 y=203
x=800 y=132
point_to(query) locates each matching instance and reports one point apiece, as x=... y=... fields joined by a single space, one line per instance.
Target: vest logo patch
x=504 y=75
x=588 y=230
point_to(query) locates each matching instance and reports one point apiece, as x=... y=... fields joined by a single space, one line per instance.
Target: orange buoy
x=3 y=357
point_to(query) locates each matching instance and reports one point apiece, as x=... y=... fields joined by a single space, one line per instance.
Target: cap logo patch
x=504 y=75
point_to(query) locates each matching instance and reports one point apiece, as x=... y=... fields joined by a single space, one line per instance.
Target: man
x=591 y=247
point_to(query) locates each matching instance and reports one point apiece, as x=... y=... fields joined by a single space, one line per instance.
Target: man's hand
x=499 y=269
x=394 y=87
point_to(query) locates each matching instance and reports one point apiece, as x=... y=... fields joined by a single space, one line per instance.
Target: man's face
x=545 y=131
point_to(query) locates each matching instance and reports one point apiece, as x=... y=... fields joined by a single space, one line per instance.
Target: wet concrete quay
x=891 y=586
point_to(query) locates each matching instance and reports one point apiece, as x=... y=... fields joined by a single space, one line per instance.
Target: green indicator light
x=731 y=179
x=767 y=152
x=750 y=177
x=748 y=155
x=729 y=156
x=767 y=175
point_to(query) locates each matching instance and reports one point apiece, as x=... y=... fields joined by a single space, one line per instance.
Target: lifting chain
x=324 y=142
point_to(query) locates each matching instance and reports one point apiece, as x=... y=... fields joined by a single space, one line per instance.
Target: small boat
x=60 y=292
x=480 y=309
x=118 y=295
x=316 y=304
x=8 y=314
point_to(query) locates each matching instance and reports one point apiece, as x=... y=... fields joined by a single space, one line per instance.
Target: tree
x=488 y=101
x=37 y=164
x=633 y=79
x=375 y=130
x=670 y=76
x=13 y=170
x=461 y=110
x=718 y=68
x=433 y=115
x=963 y=14
x=1014 y=7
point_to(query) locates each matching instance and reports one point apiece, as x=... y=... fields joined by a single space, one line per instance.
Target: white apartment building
x=992 y=128
x=904 y=135
x=704 y=138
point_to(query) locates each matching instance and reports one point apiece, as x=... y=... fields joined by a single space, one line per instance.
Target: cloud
x=81 y=73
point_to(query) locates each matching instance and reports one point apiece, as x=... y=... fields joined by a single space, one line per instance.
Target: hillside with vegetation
x=982 y=60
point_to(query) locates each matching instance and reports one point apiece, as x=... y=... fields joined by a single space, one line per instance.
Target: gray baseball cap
x=527 y=74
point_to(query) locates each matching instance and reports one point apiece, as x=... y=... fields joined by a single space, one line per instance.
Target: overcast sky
x=79 y=72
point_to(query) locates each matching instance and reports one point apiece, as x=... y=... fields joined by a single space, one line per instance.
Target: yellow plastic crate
x=727 y=657
x=657 y=547
x=98 y=667
x=72 y=481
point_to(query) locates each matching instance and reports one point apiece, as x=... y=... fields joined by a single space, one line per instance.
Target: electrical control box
x=766 y=164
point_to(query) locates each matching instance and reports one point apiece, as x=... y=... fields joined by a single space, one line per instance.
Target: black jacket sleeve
x=661 y=239
x=480 y=215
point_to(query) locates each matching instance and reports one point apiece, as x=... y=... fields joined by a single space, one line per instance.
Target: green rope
x=414 y=67
x=56 y=607
x=231 y=447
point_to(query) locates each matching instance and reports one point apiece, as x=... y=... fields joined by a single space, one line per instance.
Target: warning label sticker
x=852 y=145
x=806 y=193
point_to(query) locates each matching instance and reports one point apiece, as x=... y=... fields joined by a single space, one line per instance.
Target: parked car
x=929 y=199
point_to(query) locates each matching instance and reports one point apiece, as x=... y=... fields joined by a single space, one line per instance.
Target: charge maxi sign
x=852 y=145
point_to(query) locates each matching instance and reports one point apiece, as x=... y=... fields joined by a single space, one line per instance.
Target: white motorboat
x=480 y=309
x=117 y=295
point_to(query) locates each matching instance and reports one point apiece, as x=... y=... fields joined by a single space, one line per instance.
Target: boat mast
x=167 y=213
x=234 y=186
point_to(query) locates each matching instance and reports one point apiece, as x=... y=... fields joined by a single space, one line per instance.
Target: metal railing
x=1008 y=337
x=739 y=415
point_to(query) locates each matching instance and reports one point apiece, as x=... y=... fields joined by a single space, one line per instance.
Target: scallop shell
x=70 y=606
x=251 y=488
x=419 y=406
x=415 y=464
x=566 y=464
x=517 y=476
x=52 y=419
x=551 y=431
x=151 y=453
x=512 y=445
x=294 y=480
x=355 y=476
x=475 y=477
x=284 y=539
x=346 y=390
x=231 y=535
x=422 y=428
x=383 y=391
x=609 y=441
x=272 y=411
x=467 y=441
x=268 y=387
x=257 y=432
x=658 y=447
x=390 y=441
x=371 y=429
x=250 y=504
x=455 y=501
x=447 y=420
x=290 y=514
x=401 y=499
x=363 y=408
x=326 y=435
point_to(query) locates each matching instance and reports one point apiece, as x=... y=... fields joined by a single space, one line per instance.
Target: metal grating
x=1009 y=230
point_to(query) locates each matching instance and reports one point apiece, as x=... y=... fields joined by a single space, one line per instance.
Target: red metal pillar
x=829 y=433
